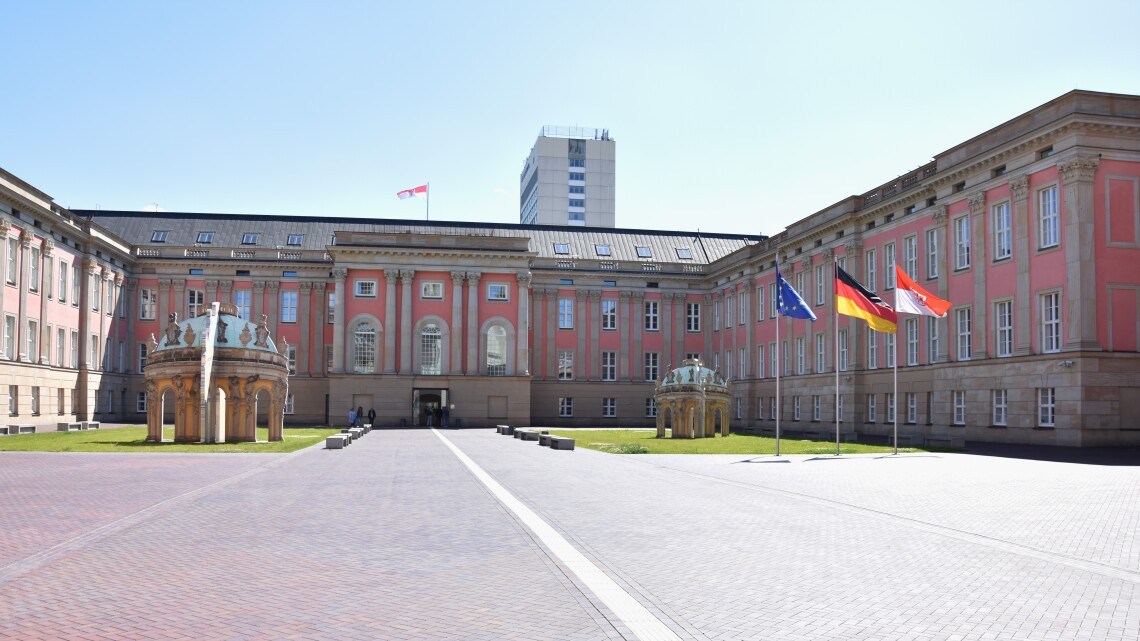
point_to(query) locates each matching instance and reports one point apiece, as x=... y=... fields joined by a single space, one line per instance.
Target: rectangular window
x=565 y=313
x=819 y=284
x=760 y=361
x=959 y=407
x=911 y=325
x=328 y=358
x=602 y=250
x=1051 y=322
x=498 y=291
x=561 y=248
x=243 y=299
x=759 y=304
x=75 y=285
x=1003 y=231
x=644 y=252
x=692 y=317
x=122 y=360
x=910 y=256
x=195 y=302
x=773 y=301
x=650 y=408
x=820 y=354
x=291 y=356
x=49 y=276
x=13 y=256
x=684 y=253
x=33 y=341
x=249 y=238
x=609 y=366
x=1003 y=326
x=289 y=404
x=609 y=407
x=566 y=407
x=728 y=363
x=786 y=365
x=739 y=402
x=891 y=348
x=62 y=282
x=772 y=356
x=932 y=253
x=911 y=408
x=1048 y=218
x=872 y=408
x=432 y=290
x=743 y=363
x=148 y=303
x=800 y=355
x=742 y=315
x=289 y=307
x=759 y=408
x=158 y=236
x=143 y=351
x=10 y=337
x=872 y=349
x=61 y=347
x=13 y=404
x=771 y=408
x=609 y=314
x=652 y=368
x=795 y=408
x=205 y=236
x=965 y=335
x=295 y=239
x=35 y=401
x=801 y=286
x=815 y=408
x=140 y=402
x=931 y=339
x=1000 y=403
x=96 y=292
x=872 y=271
x=94 y=362
x=716 y=315
x=1046 y=406
x=34 y=270
x=565 y=365
x=962 y=242
x=364 y=288
x=889 y=259
x=843 y=362
x=74 y=349
x=651 y=316
x=330 y=308
x=839 y=408
x=890 y=397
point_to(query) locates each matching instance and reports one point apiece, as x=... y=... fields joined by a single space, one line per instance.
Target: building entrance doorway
x=428 y=407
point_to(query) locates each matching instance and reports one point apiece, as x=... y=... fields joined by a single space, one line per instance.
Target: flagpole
x=835 y=305
x=427 y=201
x=896 y=371
x=778 y=362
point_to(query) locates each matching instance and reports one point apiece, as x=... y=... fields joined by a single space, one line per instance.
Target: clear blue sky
x=728 y=116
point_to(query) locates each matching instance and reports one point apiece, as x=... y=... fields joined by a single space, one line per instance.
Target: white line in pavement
x=634 y=615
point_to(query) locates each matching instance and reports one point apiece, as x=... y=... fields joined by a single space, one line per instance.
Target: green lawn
x=133 y=439
x=646 y=442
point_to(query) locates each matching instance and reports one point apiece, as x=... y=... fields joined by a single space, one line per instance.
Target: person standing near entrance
x=351 y=417
x=359 y=416
x=372 y=417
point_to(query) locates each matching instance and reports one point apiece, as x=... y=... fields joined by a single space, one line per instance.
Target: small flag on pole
x=414 y=192
x=852 y=299
x=912 y=299
x=789 y=301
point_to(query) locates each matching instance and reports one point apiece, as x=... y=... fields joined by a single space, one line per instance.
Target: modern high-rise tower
x=568 y=179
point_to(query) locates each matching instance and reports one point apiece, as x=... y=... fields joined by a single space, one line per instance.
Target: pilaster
x=472 y=365
x=623 y=327
x=978 y=265
x=522 y=330
x=457 y=322
x=939 y=218
x=45 y=259
x=407 y=278
x=595 y=305
x=391 y=327
x=1079 y=219
x=339 y=321
x=637 y=357
x=305 y=347
x=539 y=368
x=1022 y=337
x=25 y=277
x=320 y=317
x=581 y=360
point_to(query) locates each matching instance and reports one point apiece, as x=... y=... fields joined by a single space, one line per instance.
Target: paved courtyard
x=417 y=534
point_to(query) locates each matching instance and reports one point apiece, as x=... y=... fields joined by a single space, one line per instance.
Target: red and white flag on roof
x=414 y=192
x=912 y=299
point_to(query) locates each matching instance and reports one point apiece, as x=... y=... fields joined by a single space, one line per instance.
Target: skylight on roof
x=205 y=236
x=683 y=253
x=644 y=252
x=561 y=248
x=602 y=250
x=295 y=239
x=158 y=236
x=249 y=238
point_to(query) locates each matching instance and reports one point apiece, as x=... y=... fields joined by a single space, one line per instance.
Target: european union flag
x=789 y=301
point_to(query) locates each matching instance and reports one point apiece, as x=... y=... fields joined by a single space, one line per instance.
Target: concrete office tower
x=568 y=179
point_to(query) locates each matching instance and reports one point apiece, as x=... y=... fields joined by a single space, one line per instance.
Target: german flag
x=852 y=299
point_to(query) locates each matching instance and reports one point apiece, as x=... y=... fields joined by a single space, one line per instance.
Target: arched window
x=364 y=349
x=431 y=340
x=496 y=351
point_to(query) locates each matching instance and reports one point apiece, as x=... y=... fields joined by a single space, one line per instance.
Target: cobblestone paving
x=393 y=538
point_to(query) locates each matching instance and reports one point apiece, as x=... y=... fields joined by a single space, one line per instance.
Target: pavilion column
x=46 y=259
x=638 y=309
x=22 y=324
x=522 y=330
x=457 y=323
x=624 y=354
x=1079 y=219
x=472 y=366
x=595 y=302
x=539 y=370
x=305 y=302
x=391 y=327
x=339 y=275
x=978 y=265
x=320 y=314
x=407 y=277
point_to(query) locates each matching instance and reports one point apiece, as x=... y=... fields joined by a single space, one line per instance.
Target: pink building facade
x=1031 y=230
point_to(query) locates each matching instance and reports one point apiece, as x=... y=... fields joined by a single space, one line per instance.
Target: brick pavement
x=393 y=539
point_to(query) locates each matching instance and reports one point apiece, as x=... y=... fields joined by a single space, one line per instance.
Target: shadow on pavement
x=1127 y=456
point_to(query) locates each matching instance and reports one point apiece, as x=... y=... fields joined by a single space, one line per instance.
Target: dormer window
x=561 y=248
x=295 y=239
x=602 y=250
x=249 y=238
x=684 y=254
x=158 y=236
x=205 y=236
x=644 y=252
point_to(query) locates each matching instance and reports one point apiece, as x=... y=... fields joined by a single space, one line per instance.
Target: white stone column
x=339 y=275
x=45 y=258
x=391 y=326
x=939 y=217
x=637 y=359
x=457 y=323
x=666 y=320
x=320 y=316
x=25 y=275
x=5 y=229
x=522 y=329
x=304 y=301
x=581 y=358
x=538 y=371
x=1023 y=306
x=978 y=252
x=407 y=278
x=624 y=355
x=1079 y=218
x=472 y=365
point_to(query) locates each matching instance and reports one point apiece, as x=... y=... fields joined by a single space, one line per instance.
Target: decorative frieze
x=1019 y=187
x=978 y=203
x=1081 y=168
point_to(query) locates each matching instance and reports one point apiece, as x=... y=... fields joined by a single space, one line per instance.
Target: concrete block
x=68 y=427
x=337 y=441
x=89 y=425
x=561 y=443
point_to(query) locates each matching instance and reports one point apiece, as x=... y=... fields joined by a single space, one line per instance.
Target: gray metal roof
x=182 y=230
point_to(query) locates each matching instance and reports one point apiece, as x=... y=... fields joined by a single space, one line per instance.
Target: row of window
x=207 y=237
x=609 y=407
x=44 y=278
x=999 y=414
x=563 y=249
x=430 y=354
x=66 y=352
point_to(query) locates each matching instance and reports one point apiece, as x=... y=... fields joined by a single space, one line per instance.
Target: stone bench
x=367 y=427
x=3 y=430
x=356 y=432
x=561 y=443
x=503 y=429
x=544 y=439
x=337 y=441
x=528 y=435
x=68 y=427
x=21 y=429
x=89 y=425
